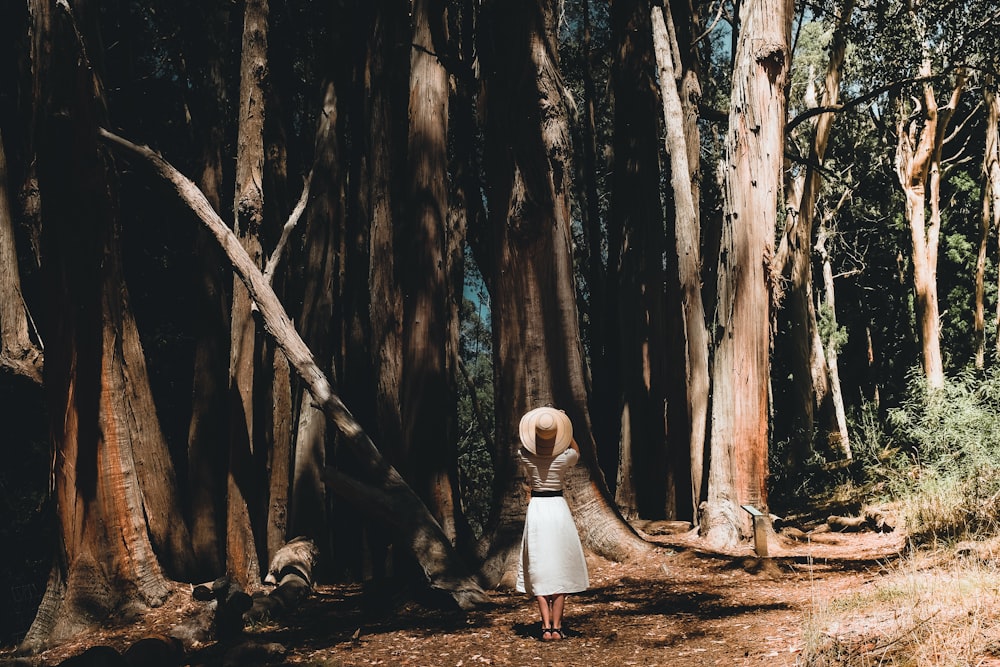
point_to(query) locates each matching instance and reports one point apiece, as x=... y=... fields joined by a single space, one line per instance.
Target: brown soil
x=679 y=605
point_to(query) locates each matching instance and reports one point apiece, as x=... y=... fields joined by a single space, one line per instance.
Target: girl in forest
x=552 y=562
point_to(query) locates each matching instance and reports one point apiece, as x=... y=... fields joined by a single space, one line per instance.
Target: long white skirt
x=551 y=555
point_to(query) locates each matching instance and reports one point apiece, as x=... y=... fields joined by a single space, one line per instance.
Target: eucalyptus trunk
x=918 y=167
x=427 y=396
x=246 y=344
x=738 y=466
x=991 y=210
x=322 y=303
x=207 y=460
x=680 y=92
x=118 y=520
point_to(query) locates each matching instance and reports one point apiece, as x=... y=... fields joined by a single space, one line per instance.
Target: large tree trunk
x=323 y=263
x=752 y=190
x=426 y=395
x=373 y=356
x=918 y=155
x=379 y=489
x=681 y=142
x=113 y=481
x=383 y=93
x=538 y=352
x=645 y=484
x=209 y=424
x=246 y=347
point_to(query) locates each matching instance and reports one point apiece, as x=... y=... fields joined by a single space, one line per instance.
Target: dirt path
x=679 y=606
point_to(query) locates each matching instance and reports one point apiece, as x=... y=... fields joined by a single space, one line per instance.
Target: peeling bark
x=741 y=368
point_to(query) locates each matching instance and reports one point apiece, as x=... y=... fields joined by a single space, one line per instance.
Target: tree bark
x=113 y=481
x=991 y=211
x=18 y=352
x=426 y=399
x=639 y=310
x=918 y=155
x=207 y=460
x=688 y=248
x=323 y=267
x=600 y=309
x=752 y=190
x=384 y=90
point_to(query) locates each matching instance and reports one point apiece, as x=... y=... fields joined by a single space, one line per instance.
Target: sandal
x=546 y=634
x=557 y=633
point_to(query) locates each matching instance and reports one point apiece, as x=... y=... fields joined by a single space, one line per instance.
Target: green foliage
x=938 y=456
x=829 y=332
x=475 y=407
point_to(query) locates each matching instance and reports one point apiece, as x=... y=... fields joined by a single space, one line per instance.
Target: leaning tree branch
x=286 y=231
x=862 y=99
x=427 y=540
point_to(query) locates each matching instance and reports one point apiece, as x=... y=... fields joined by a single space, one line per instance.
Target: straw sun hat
x=544 y=424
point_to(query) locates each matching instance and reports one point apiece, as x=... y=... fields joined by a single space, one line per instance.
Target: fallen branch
x=291 y=574
x=426 y=540
x=873 y=521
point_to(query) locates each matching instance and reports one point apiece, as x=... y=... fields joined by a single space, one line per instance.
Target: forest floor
x=680 y=605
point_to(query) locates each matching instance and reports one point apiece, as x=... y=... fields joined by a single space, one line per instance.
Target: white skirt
x=551 y=559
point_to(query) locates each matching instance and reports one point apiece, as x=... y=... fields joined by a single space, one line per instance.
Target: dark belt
x=546 y=494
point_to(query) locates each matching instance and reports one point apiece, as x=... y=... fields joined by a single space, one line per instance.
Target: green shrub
x=938 y=456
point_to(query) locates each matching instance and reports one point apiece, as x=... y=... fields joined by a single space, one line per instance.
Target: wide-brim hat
x=546 y=423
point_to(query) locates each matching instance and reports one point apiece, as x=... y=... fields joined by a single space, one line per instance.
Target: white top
x=546 y=473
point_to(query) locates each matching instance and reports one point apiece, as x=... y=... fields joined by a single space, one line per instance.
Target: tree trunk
x=991 y=206
x=428 y=407
x=919 y=143
x=752 y=190
x=209 y=425
x=18 y=352
x=604 y=401
x=275 y=447
x=830 y=347
x=687 y=246
x=323 y=263
x=639 y=311
x=538 y=351
x=113 y=482
x=383 y=92
x=246 y=352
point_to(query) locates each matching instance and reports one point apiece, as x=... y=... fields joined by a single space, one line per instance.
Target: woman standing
x=552 y=564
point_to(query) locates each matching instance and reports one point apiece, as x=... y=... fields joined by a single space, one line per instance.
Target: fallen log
x=229 y=602
x=873 y=521
x=291 y=574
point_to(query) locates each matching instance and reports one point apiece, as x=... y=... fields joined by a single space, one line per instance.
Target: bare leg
x=543 y=609
x=558 y=603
